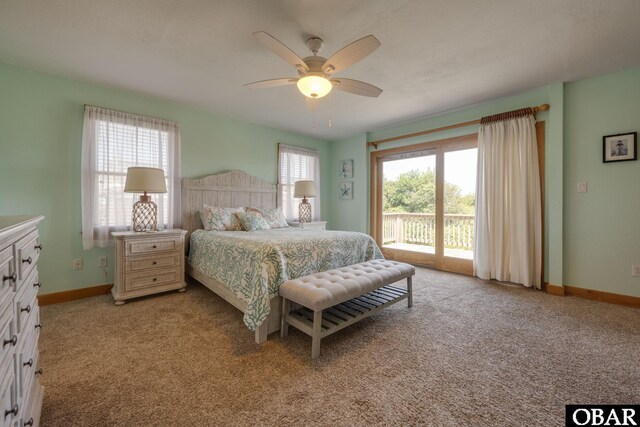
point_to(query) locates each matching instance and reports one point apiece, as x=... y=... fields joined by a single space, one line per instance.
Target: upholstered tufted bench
x=334 y=299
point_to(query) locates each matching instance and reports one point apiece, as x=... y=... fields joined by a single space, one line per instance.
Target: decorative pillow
x=274 y=217
x=252 y=221
x=220 y=219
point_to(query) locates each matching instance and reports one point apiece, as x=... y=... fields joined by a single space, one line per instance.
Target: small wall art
x=345 y=169
x=346 y=190
x=620 y=147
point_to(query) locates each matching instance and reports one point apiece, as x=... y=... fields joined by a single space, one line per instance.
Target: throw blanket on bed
x=254 y=264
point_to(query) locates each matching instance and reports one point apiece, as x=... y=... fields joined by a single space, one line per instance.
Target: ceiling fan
x=315 y=73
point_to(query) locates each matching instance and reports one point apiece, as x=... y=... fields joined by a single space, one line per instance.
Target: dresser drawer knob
x=155 y=279
x=29 y=363
x=154 y=246
x=13 y=341
x=28 y=260
x=28 y=423
x=39 y=325
x=13 y=411
x=38 y=371
x=154 y=262
x=37 y=285
x=27 y=309
x=38 y=246
x=13 y=277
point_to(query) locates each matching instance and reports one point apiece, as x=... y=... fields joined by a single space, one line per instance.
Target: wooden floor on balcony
x=454 y=253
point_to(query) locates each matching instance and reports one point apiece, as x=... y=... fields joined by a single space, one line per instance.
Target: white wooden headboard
x=227 y=189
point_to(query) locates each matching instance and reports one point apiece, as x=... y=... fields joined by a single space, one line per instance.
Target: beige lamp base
x=145 y=215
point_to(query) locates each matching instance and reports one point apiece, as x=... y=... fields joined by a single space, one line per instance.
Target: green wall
x=591 y=239
x=602 y=226
x=350 y=214
x=40 y=147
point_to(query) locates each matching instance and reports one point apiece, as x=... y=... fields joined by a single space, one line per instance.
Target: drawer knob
x=154 y=262
x=29 y=363
x=12 y=341
x=28 y=260
x=37 y=285
x=38 y=371
x=38 y=246
x=155 y=278
x=13 y=411
x=13 y=277
x=28 y=423
x=38 y=325
x=154 y=246
x=27 y=309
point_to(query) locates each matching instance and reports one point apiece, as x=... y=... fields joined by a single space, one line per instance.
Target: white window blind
x=295 y=164
x=112 y=142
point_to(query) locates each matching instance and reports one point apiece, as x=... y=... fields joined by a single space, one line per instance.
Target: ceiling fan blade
x=350 y=54
x=356 y=87
x=273 y=82
x=275 y=46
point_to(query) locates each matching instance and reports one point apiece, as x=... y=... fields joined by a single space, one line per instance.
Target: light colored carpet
x=469 y=353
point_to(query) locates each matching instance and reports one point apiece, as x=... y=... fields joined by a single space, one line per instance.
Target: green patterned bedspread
x=254 y=264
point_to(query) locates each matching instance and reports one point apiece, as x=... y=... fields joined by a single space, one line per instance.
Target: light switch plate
x=582 y=187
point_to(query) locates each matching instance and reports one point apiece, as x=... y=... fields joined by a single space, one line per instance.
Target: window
x=295 y=164
x=111 y=143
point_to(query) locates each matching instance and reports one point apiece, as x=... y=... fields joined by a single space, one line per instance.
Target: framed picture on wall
x=345 y=169
x=346 y=190
x=620 y=147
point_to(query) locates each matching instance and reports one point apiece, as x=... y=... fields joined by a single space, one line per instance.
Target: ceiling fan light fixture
x=314 y=86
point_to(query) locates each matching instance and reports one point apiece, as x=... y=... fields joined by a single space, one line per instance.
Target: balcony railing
x=420 y=229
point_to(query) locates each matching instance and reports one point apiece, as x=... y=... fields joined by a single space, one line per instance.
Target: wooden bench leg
x=410 y=291
x=284 y=325
x=315 y=338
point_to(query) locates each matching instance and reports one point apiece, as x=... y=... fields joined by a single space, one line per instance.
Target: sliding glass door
x=423 y=203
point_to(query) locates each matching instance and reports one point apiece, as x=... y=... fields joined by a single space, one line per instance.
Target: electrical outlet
x=77 y=264
x=102 y=261
x=635 y=270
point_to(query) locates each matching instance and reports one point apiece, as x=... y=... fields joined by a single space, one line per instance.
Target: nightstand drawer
x=152 y=278
x=159 y=261
x=149 y=247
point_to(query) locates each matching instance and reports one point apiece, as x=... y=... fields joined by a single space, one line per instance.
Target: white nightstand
x=313 y=225
x=148 y=263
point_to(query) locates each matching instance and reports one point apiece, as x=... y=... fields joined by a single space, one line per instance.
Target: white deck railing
x=420 y=229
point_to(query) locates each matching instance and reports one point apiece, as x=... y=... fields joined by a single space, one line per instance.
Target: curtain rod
x=543 y=107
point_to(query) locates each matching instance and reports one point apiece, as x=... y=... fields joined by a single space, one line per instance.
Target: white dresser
x=21 y=393
x=148 y=263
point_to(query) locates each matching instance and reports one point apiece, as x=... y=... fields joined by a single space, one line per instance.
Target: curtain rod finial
x=543 y=107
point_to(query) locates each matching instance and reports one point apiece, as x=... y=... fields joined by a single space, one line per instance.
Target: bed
x=246 y=268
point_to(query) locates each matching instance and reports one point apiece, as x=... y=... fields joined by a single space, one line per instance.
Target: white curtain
x=113 y=141
x=508 y=226
x=295 y=164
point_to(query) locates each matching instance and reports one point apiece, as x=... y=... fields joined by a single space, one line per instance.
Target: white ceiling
x=436 y=55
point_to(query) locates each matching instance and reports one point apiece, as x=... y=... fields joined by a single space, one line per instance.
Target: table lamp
x=304 y=189
x=145 y=180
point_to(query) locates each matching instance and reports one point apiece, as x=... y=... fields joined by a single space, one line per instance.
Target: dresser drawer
x=152 y=278
x=26 y=302
x=8 y=275
x=8 y=337
x=158 y=261
x=8 y=400
x=151 y=246
x=27 y=253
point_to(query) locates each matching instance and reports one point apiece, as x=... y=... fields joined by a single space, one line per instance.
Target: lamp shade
x=314 y=86
x=141 y=179
x=304 y=189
